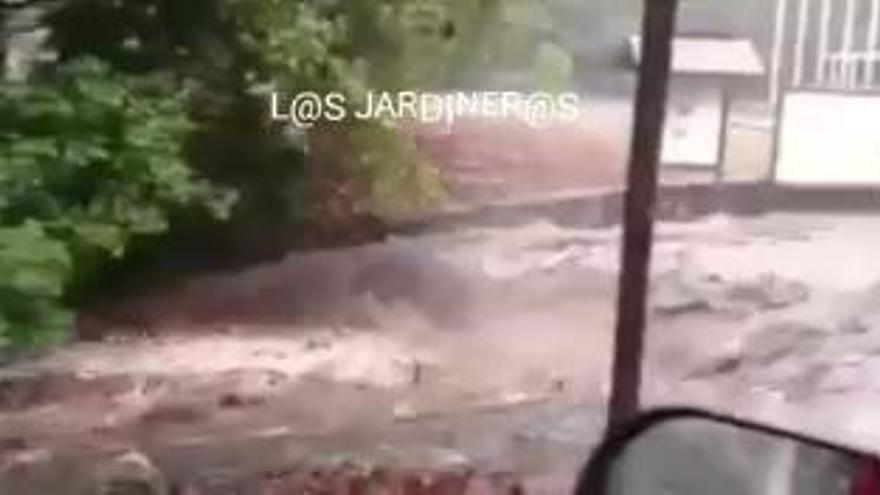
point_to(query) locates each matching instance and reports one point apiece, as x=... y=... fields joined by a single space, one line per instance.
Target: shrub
x=89 y=160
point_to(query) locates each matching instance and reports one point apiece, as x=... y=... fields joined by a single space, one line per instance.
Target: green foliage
x=229 y=54
x=402 y=44
x=96 y=155
x=553 y=68
x=33 y=270
x=448 y=44
x=152 y=103
x=232 y=53
x=89 y=160
x=520 y=38
x=356 y=45
x=292 y=44
x=349 y=47
x=398 y=183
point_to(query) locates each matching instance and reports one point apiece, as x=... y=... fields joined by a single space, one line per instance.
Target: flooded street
x=485 y=346
x=220 y=275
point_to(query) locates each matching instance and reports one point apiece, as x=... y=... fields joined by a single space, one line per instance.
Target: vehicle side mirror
x=686 y=452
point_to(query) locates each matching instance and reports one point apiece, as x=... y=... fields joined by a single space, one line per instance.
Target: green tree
x=89 y=160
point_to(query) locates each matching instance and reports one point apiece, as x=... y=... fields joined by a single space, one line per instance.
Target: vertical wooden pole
x=658 y=30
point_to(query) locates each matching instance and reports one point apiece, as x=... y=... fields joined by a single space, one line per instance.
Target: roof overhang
x=709 y=56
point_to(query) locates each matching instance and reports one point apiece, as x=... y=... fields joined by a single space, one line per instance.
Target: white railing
x=845 y=38
x=851 y=71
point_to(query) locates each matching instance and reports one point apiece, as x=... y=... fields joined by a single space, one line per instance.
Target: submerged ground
x=486 y=347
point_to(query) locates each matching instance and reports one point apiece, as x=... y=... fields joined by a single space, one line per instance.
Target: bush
x=89 y=160
x=397 y=183
x=33 y=270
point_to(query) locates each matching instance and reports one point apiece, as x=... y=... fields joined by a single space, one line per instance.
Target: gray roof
x=709 y=56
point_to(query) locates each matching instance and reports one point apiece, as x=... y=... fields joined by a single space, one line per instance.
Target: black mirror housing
x=689 y=451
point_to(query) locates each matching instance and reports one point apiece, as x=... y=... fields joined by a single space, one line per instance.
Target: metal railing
x=825 y=44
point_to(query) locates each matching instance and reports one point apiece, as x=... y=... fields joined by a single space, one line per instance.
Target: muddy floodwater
x=486 y=347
